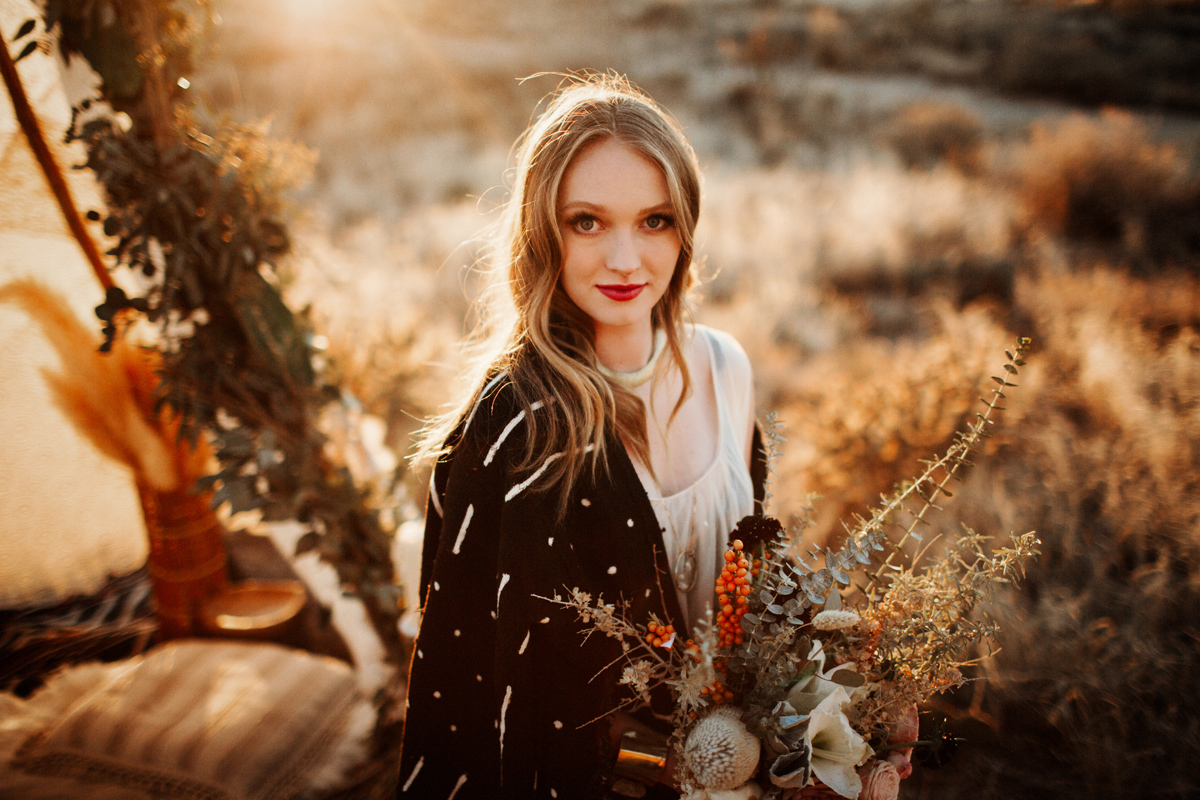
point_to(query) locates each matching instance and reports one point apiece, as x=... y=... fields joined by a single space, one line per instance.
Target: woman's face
x=620 y=243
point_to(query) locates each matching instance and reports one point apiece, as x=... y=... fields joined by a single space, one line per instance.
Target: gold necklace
x=635 y=378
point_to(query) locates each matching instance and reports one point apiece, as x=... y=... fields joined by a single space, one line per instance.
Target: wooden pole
x=58 y=184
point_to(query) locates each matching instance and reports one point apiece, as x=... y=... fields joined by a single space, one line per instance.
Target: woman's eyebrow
x=585 y=205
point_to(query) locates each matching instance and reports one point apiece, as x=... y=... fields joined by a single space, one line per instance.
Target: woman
x=606 y=446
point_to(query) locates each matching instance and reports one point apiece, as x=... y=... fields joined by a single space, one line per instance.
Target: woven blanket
x=216 y=720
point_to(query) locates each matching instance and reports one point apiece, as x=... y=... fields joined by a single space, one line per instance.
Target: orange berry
x=728 y=694
x=657 y=642
x=670 y=629
x=737 y=544
x=729 y=555
x=728 y=609
x=741 y=601
x=754 y=572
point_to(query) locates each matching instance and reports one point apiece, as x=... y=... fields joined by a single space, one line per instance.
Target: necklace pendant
x=685 y=572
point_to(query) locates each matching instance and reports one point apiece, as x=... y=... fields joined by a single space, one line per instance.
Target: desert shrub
x=1090 y=694
x=889 y=231
x=927 y=134
x=1099 y=451
x=861 y=418
x=1105 y=180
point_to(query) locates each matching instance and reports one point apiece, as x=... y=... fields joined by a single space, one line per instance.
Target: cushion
x=211 y=719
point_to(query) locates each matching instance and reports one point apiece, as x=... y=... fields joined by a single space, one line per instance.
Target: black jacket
x=503 y=685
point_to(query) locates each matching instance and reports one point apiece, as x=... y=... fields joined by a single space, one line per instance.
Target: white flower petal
x=805 y=697
x=836 y=748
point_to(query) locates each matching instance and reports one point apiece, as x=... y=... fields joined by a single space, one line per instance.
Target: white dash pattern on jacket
x=512 y=423
x=523 y=485
x=433 y=494
x=524 y=644
x=413 y=776
x=461 y=780
x=503 y=712
x=462 y=531
x=486 y=389
x=503 y=582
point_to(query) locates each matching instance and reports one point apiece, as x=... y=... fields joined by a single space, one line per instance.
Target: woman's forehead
x=611 y=173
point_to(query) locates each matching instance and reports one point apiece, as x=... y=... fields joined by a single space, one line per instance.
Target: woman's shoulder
x=730 y=355
x=493 y=406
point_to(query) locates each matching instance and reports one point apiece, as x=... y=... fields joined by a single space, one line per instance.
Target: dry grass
x=875 y=294
x=927 y=134
x=1101 y=455
x=1107 y=181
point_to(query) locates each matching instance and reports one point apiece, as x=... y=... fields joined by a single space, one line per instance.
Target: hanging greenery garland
x=195 y=207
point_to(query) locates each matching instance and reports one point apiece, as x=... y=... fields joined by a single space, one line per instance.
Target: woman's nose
x=622 y=253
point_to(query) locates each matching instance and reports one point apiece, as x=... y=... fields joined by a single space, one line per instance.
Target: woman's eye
x=658 y=222
x=584 y=223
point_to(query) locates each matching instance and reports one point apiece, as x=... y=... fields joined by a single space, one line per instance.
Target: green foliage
x=196 y=210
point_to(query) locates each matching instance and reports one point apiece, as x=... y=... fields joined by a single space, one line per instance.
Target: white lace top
x=723 y=494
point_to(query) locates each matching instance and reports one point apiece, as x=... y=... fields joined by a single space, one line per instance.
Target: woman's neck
x=624 y=348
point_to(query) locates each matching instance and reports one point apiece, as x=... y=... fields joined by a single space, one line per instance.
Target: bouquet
x=806 y=681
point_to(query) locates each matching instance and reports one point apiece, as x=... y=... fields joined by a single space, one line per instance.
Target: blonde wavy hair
x=529 y=328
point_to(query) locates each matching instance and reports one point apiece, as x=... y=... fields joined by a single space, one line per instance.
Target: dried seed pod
x=721 y=753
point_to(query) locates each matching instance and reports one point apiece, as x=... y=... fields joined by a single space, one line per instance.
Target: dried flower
x=836 y=748
x=637 y=676
x=720 y=752
x=747 y=791
x=835 y=620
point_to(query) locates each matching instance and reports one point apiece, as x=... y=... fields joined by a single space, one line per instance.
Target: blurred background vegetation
x=893 y=191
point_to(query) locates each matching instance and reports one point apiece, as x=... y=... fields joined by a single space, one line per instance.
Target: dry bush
x=860 y=419
x=927 y=134
x=1092 y=692
x=888 y=233
x=1106 y=181
x=1092 y=695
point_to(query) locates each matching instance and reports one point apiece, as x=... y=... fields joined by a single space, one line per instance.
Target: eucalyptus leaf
x=848 y=678
x=26 y=50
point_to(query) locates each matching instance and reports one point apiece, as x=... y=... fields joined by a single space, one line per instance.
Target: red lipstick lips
x=622 y=292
